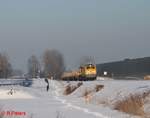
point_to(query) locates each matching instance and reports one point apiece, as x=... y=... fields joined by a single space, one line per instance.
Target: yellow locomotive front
x=88 y=72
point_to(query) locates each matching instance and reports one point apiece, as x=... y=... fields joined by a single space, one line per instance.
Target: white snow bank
x=119 y=90
x=72 y=106
x=104 y=78
x=6 y=94
x=113 y=91
x=39 y=83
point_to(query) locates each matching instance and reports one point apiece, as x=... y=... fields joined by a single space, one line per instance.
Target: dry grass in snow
x=99 y=87
x=134 y=100
x=71 y=88
x=88 y=94
x=133 y=104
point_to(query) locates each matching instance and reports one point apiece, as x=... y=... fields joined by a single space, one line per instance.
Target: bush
x=147 y=77
x=133 y=105
x=71 y=88
x=99 y=87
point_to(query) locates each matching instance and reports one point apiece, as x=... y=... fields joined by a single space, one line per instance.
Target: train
x=83 y=73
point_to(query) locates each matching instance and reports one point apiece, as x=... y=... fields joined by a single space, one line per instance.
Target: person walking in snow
x=47 y=87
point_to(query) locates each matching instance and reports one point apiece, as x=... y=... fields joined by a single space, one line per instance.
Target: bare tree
x=5 y=66
x=53 y=63
x=33 y=66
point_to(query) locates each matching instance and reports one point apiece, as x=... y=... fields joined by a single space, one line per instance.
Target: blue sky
x=108 y=30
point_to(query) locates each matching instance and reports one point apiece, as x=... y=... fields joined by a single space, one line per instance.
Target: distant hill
x=126 y=67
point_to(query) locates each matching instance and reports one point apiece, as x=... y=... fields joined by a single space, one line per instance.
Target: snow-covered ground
x=36 y=102
x=14 y=94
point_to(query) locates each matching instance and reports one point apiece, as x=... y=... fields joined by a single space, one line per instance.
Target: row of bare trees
x=33 y=66
x=52 y=65
x=5 y=66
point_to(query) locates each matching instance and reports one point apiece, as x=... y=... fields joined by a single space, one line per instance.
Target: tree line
x=51 y=66
x=5 y=66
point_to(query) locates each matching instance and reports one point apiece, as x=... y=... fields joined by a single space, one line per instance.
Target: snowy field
x=96 y=99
